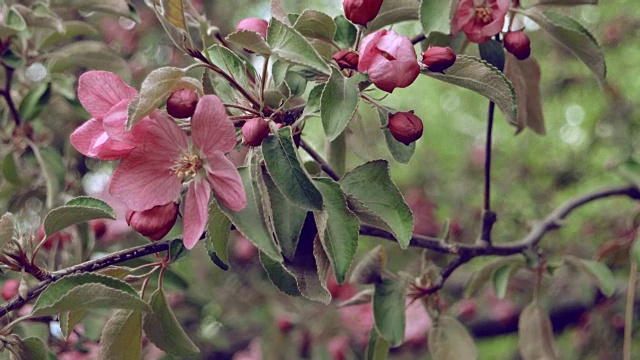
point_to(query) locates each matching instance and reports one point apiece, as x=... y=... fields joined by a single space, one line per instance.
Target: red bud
x=346 y=59
x=405 y=127
x=10 y=289
x=517 y=43
x=182 y=103
x=254 y=130
x=254 y=24
x=284 y=324
x=154 y=223
x=361 y=11
x=99 y=228
x=438 y=59
x=56 y=239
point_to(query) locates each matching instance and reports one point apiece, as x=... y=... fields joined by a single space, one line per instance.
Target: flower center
x=387 y=56
x=483 y=14
x=187 y=166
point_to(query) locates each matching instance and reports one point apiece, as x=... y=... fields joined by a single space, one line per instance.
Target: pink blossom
x=418 y=323
x=389 y=59
x=106 y=97
x=479 y=19
x=153 y=173
x=254 y=24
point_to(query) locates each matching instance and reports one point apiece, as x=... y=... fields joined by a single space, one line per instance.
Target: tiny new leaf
x=388 y=310
x=501 y=275
x=122 y=336
x=282 y=162
x=598 y=272
x=87 y=291
x=337 y=227
x=163 y=329
x=535 y=334
x=338 y=103
x=449 y=339
x=154 y=91
x=289 y=45
x=372 y=186
x=485 y=79
x=479 y=277
x=75 y=211
x=217 y=236
x=7 y=225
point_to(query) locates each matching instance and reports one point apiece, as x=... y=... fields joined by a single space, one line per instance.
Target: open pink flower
x=106 y=97
x=389 y=59
x=479 y=19
x=152 y=174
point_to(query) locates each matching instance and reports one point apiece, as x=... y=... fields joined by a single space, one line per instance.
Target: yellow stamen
x=187 y=166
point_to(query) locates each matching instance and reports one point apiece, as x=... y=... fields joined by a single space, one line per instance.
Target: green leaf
x=449 y=339
x=154 y=91
x=217 y=236
x=231 y=64
x=75 y=211
x=289 y=45
x=479 y=277
x=10 y=169
x=598 y=272
x=568 y=2
x=177 y=250
x=485 y=79
x=279 y=276
x=525 y=77
x=435 y=16
x=116 y=7
x=87 y=291
x=377 y=348
x=251 y=41
x=74 y=29
x=501 y=275
x=94 y=55
x=338 y=228
x=398 y=150
x=7 y=227
x=574 y=37
x=250 y=220
x=315 y=24
x=31 y=348
x=13 y=24
x=388 y=310
x=171 y=16
x=277 y=10
x=492 y=52
x=372 y=186
x=370 y=268
x=163 y=329
x=346 y=32
x=69 y=320
x=282 y=161
x=395 y=11
x=535 y=334
x=40 y=16
x=296 y=83
x=338 y=103
x=630 y=171
x=35 y=101
x=288 y=218
x=52 y=167
x=122 y=336
x=174 y=14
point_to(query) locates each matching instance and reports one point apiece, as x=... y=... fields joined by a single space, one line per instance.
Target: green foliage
x=315 y=24
x=435 y=16
x=231 y=64
x=338 y=103
x=449 y=339
x=122 y=336
x=535 y=334
x=388 y=310
x=7 y=228
x=395 y=11
x=155 y=89
x=377 y=348
x=217 y=236
x=31 y=348
x=598 y=272
x=290 y=46
x=75 y=211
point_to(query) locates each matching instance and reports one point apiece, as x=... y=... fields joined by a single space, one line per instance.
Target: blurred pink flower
x=252 y=352
x=254 y=24
x=153 y=173
x=417 y=324
x=106 y=98
x=479 y=19
x=389 y=59
x=358 y=320
x=338 y=347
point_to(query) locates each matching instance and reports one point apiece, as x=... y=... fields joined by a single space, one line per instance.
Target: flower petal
x=99 y=91
x=211 y=128
x=91 y=140
x=196 y=207
x=144 y=179
x=159 y=133
x=368 y=49
x=115 y=122
x=226 y=181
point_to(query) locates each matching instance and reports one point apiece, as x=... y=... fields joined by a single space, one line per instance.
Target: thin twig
x=418 y=38
x=629 y=313
x=6 y=93
x=324 y=165
x=240 y=107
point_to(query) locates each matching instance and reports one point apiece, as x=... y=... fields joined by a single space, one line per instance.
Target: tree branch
x=6 y=93
x=324 y=165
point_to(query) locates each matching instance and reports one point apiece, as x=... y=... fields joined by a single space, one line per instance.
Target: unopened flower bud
x=99 y=228
x=405 y=127
x=361 y=11
x=254 y=130
x=254 y=24
x=10 y=289
x=56 y=239
x=154 y=223
x=346 y=59
x=285 y=325
x=182 y=103
x=438 y=59
x=517 y=43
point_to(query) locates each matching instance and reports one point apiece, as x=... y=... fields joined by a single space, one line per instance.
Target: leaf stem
x=418 y=38
x=263 y=79
x=6 y=93
x=240 y=107
x=324 y=165
x=629 y=313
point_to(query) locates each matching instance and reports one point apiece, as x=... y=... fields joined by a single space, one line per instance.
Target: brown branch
x=324 y=165
x=6 y=93
x=418 y=38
